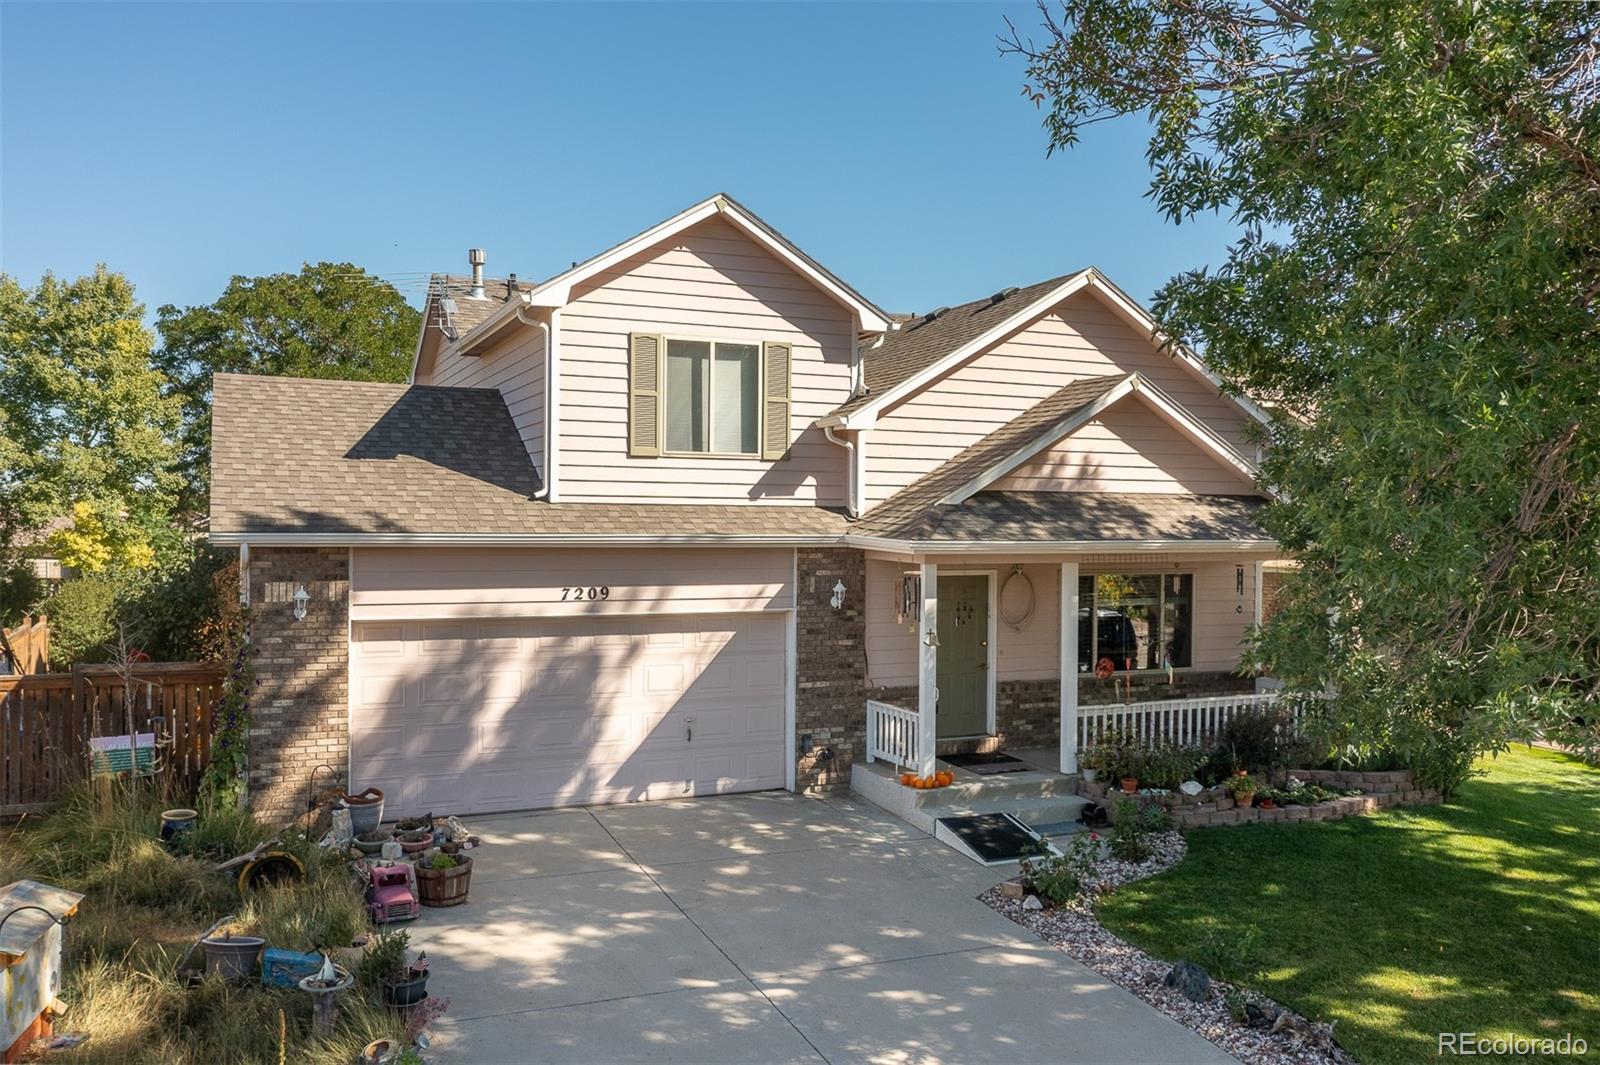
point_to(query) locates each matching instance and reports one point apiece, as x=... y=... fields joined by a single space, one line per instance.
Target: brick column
x=299 y=714
x=831 y=667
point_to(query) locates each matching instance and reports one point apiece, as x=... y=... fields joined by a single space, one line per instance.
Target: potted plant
x=1268 y=798
x=1243 y=789
x=443 y=879
x=1090 y=761
x=1130 y=763
x=415 y=841
x=370 y=843
x=402 y=982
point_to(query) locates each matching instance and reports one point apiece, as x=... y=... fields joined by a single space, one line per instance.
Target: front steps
x=1034 y=797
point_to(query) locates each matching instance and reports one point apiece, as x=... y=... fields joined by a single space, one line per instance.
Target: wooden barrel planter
x=444 y=887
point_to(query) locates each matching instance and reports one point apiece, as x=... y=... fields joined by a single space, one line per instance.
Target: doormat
x=992 y=838
x=986 y=764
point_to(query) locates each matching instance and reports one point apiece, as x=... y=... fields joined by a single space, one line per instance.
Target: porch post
x=1069 y=667
x=928 y=671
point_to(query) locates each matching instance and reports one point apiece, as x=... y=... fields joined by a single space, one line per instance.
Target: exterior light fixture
x=301 y=597
x=838 y=595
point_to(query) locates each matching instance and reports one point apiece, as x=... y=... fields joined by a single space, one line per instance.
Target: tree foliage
x=86 y=430
x=331 y=320
x=1418 y=189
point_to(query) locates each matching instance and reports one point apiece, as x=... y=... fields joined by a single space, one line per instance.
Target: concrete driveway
x=757 y=928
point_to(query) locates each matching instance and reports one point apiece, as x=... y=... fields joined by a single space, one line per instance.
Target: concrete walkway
x=757 y=928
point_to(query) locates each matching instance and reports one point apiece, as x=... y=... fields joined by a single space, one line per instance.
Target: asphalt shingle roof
x=469 y=309
x=291 y=455
x=919 y=342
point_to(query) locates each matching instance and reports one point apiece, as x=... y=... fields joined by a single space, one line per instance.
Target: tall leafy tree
x=1418 y=189
x=331 y=320
x=87 y=432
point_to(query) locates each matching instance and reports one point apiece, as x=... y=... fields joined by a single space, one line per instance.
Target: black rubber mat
x=987 y=764
x=993 y=837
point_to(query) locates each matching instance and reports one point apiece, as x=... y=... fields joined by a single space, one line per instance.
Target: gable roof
x=929 y=504
x=912 y=357
x=359 y=462
x=556 y=291
x=1109 y=521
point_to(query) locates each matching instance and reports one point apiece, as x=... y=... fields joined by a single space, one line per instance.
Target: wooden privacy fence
x=26 y=648
x=47 y=720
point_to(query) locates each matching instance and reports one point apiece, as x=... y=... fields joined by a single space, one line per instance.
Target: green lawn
x=1481 y=915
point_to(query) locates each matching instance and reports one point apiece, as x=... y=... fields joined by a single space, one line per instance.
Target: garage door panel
x=470 y=716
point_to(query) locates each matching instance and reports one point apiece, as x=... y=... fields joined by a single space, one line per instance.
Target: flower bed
x=1214 y=806
x=1285 y=1038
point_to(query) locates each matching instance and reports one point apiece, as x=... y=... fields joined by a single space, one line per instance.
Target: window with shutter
x=775 y=401
x=644 y=394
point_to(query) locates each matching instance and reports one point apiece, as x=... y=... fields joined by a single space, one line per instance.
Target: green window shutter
x=644 y=394
x=776 y=369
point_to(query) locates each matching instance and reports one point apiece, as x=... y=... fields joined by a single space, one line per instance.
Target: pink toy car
x=392 y=893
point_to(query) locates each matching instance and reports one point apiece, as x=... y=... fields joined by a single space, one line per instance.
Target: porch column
x=928 y=671
x=1069 y=667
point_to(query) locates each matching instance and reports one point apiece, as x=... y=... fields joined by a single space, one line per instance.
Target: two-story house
x=667 y=524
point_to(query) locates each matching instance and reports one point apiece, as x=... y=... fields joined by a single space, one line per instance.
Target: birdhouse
x=31 y=915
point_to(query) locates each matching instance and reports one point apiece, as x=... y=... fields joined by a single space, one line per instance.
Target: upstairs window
x=712 y=397
x=1136 y=621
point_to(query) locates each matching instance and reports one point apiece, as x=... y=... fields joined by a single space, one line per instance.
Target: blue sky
x=184 y=143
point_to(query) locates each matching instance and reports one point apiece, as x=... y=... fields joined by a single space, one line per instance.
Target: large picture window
x=1135 y=621
x=711 y=397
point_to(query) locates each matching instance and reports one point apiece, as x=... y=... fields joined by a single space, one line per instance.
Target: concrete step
x=972 y=788
x=1029 y=810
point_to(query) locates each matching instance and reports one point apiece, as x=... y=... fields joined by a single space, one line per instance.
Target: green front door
x=963 y=656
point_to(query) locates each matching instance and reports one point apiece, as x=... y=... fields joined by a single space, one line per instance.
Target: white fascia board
x=338 y=539
x=1047 y=437
x=868 y=415
x=986 y=547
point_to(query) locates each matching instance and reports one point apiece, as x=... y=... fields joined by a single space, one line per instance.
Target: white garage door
x=475 y=716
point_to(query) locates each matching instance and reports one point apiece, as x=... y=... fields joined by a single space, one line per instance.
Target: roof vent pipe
x=475 y=256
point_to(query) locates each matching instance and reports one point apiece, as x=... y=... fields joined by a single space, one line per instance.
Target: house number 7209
x=577 y=595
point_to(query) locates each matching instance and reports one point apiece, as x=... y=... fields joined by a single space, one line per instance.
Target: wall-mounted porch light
x=838 y=595
x=301 y=598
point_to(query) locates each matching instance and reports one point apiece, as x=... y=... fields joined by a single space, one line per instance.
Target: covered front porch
x=975 y=651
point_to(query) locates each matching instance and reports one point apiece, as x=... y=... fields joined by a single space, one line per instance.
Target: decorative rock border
x=1394 y=787
x=1074 y=930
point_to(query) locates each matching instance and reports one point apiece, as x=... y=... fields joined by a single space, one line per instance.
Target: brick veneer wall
x=831 y=660
x=299 y=716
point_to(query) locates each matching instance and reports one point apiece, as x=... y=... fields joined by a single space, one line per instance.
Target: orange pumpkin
x=946 y=778
x=907 y=778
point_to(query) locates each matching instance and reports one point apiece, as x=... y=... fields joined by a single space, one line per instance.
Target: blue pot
x=176 y=823
x=366 y=810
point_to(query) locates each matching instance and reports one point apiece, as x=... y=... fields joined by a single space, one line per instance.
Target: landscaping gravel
x=1073 y=928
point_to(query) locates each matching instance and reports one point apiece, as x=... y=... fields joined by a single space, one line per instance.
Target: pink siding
x=708 y=282
x=515 y=366
x=1129 y=448
x=1221 y=615
x=1081 y=338
x=457 y=582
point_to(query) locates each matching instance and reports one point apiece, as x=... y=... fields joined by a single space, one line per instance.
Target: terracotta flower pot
x=1245 y=798
x=1130 y=785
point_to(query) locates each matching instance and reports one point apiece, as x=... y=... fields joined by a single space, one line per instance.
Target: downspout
x=244 y=575
x=851 y=495
x=549 y=402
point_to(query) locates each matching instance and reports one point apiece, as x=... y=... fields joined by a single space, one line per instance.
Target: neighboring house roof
x=949 y=503
x=468 y=310
x=915 y=355
x=364 y=462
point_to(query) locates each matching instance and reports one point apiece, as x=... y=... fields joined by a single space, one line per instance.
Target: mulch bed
x=1074 y=929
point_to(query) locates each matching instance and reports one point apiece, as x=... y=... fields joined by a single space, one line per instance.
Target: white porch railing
x=892 y=733
x=1176 y=720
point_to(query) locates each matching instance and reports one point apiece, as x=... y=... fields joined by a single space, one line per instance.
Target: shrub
x=385 y=958
x=1258 y=741
x=1130 y=835
x=83 y=620
x=1167 y=764
x=1058 y=878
